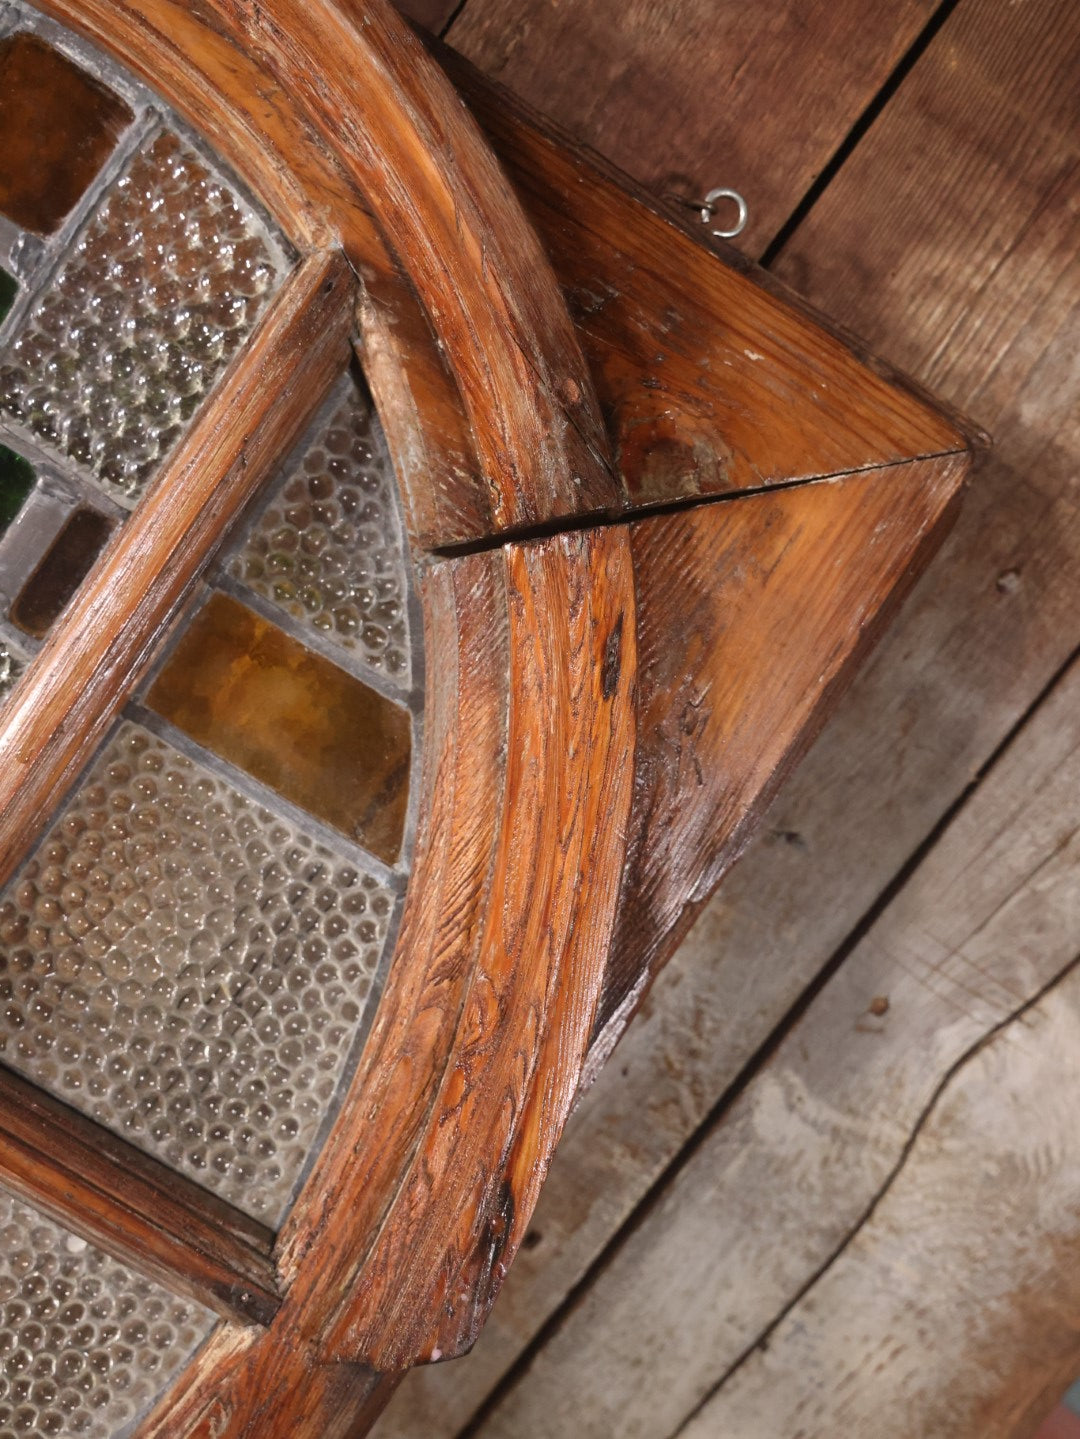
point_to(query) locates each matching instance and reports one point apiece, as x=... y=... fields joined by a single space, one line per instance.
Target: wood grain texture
x=486 y=285
x=983 y=632
x=712 y=378
x=132 y=1207
x=492 y=339
x=98 y=649
x=989 y=919
x=424 y=1189
x=523 y=1027
x=708 y=92
x=953 y=1312
x=751 y=616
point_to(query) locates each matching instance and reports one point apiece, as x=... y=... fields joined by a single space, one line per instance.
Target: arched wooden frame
x=489 y=409
x=558 y=856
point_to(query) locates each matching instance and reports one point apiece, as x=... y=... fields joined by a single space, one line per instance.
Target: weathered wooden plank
x=751 y=619
x=984 y=631
x=711 y=377
x=987 y=921
x=707 y=92
x=954 y=1311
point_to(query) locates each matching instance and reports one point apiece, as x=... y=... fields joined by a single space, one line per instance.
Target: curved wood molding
x=401 y=1238
x=405 y=1229
x=382 y=130
x=559 y=847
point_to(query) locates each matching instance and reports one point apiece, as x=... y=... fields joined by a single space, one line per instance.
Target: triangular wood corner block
x=752 y=613
x=712 y=376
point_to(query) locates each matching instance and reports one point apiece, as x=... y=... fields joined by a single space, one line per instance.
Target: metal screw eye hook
x=708 y=210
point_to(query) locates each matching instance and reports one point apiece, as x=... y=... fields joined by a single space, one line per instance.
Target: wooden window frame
x=529 y=452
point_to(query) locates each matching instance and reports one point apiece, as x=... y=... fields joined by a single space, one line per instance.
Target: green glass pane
x=16 y=482
x=9 y=288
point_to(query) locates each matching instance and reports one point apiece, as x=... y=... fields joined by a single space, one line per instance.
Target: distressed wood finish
x=980 y=1226
x=981 y=928
x=712 y=377
x=940 y=1169
x=318 y=146
x=92 y=659
x=535 y=779
x=127 y=1204
x=786 y=591
x=708 y=92
x=954 y=218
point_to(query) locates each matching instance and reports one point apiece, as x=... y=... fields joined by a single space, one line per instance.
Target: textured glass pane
x=188 y=969
x=86 y=1344
x=11 y=667
x=16 y=482
x=58 y=126
x=162 y=286
x=329 y=550
x=9 y=288
x=65 y=565
x=255 y=696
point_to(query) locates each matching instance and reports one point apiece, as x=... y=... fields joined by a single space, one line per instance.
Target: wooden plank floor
x=809 y=1174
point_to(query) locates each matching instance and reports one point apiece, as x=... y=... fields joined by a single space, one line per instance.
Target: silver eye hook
x=709 y=207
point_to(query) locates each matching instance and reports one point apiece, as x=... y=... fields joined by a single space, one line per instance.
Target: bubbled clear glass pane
x=329 y=549
x=11 y=667
x=86 y=1344
x=188 y=969
x=161 y=287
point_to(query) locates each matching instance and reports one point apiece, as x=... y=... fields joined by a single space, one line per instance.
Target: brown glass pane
x=66 y=564
x=57 y=128
x=243 y=688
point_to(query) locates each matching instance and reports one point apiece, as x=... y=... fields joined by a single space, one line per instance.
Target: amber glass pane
x=66 y=564
x=244 y=689
x=9 y=288
x=16 y=482
x=57 y=128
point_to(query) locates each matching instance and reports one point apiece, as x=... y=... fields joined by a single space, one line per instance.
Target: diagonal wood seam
x=573 y=524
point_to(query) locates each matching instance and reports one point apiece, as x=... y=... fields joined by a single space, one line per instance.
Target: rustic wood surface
x=983 y=926
x=99 y=648
x=976 y=1219
x=980 y=237
x=955 y=1312
x=704 y=93
x=484 y=1103
x=780 y=596
x=711 y=378
x=493 y=339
